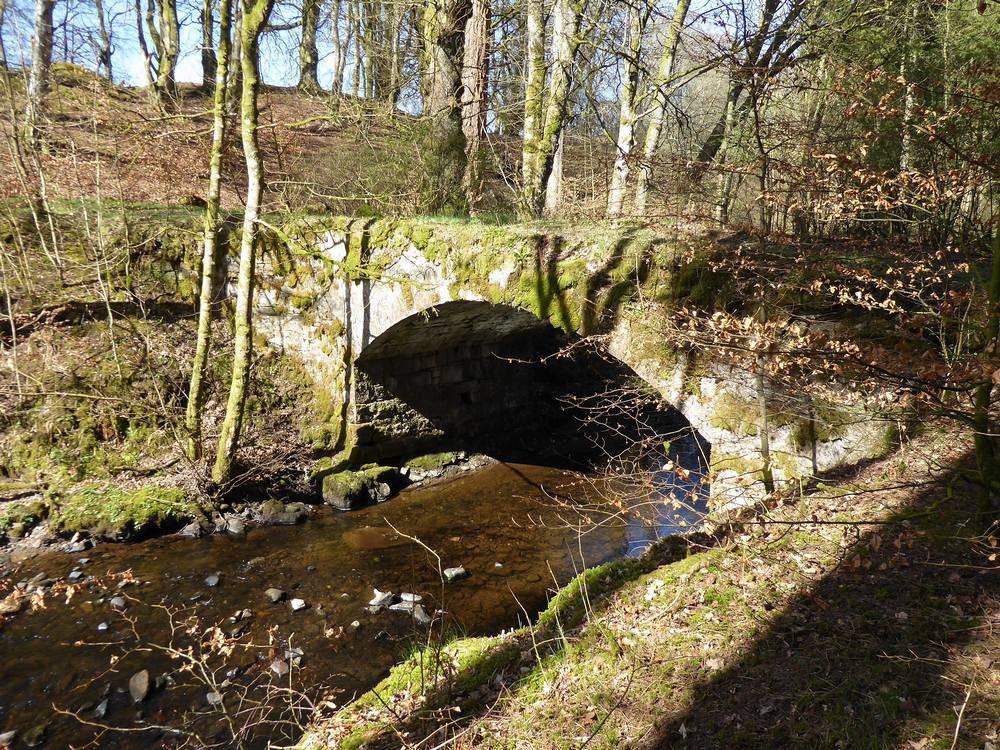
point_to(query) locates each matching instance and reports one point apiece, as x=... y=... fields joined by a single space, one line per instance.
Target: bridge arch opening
x=495 y=379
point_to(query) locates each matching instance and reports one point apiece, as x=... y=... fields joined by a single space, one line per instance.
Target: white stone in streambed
x=214 y=699
x=101 y=627
x=413 y=598
x=455 y=574
x=118 y=602
x=381 y=598
x=138 y=686
x=35 y=736
x=402 y=607
x=274 y=595
x=297 y=604
x=420 y=615
x=7 y=738
x=279 y=667
x=213 y=580
x=193 y=530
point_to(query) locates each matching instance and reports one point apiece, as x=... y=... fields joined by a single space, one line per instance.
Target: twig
x=961 y=713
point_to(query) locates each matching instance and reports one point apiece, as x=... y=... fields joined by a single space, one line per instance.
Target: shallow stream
x=510 y=526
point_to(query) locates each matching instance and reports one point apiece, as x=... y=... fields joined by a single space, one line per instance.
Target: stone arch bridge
x=440 y=336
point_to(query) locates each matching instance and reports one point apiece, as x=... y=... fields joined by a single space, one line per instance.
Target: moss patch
x=116 y=513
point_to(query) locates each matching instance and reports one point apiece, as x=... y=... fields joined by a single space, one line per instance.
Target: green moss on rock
x=110 y=511
x=350 y=489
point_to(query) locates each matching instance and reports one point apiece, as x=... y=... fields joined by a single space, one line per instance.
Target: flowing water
x=511 y=526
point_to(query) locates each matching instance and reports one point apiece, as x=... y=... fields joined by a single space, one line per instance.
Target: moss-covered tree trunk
x=255 y=15
x=985 y=441
x=210 y=256
x=308 y=50
x=443 y=149
x=534 y=88
x=661 y=90
x=41 y=67
x=565 y=44
x=235 y=78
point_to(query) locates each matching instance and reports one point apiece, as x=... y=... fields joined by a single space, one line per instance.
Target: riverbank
x=862 y=615
x=74 y=521
x=280 y=608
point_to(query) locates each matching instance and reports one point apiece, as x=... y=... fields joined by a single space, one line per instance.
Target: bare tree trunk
x=308 y=51
x=475 y=77
x=3 y=50
x=553 y=187
x=637 y=19
x=147 y=60
x=661 y=92
x=210 y=256
x=41 y=67
x=104 y=48
x=725 y=187
x=353 y=11
x=565 y=44
x=208 y=56
x=395 y=53
x=166 y=40
x=339 y=56
x=255 y=15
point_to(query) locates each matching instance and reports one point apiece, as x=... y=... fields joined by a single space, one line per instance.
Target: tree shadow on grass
x=860 y=659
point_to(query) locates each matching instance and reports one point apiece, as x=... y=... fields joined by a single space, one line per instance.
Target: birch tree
x=41 y=66
x=210 y=256
x=661 y=89
x=638 y=14
x=255 y=14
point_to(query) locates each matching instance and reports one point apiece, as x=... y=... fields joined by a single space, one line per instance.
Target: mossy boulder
x=115 y=513
x=370 y=484
x=18 y=518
